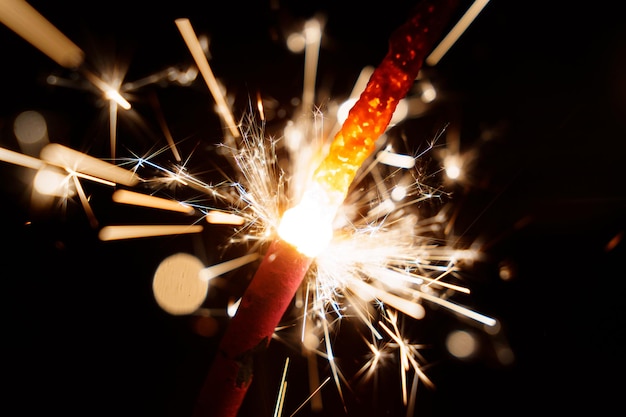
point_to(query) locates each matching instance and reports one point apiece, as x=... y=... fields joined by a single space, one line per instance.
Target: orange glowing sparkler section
x=308 y=226
x=388 y=84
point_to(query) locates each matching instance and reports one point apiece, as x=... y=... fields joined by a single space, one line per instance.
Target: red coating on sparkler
x=282 y=270
x=264 y=303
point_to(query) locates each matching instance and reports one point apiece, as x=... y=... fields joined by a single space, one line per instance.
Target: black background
x=81 y=332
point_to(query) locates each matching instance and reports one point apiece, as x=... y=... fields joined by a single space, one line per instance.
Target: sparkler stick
x=289 y=257
x=249 y=332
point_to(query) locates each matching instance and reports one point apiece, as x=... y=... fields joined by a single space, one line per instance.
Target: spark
x=456 y=32
x=282 y=392
x=138 y=231
x=312 y=38
x=189 y=35
x=138 y=199
x=310 y=396
x=27 y=22
x=80 y=162
x=219 y=269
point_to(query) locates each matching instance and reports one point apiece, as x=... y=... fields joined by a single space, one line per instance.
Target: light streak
x=85 y=202
x=17 y=158
x=216 y=270
x=139 y=199
x=27 y=22
x=456 y=32
x=190 y=38
x=282 y=391
x=65 y=157
x=312 y=40
x=139 y=231
x=221 y=217
x=310 y=396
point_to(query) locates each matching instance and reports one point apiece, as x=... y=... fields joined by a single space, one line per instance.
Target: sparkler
x=306 y=229
x=379 y=258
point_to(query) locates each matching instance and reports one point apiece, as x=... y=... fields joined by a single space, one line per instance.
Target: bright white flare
x=308 y=226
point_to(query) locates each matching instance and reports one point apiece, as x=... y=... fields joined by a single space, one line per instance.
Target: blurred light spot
x=614 y=241
x=398 y=193
x=296 y=42
x=294 y=136
x=461 y=344
x=452 y=166
x=53 y=183
x=505 y=355
x=429 y=94
x=506 y=271
x=453 y=172
x=310 y=341
x=183 y=78
x=312 y=31
x=205 y=43
x=177 y=286
x=114 y=95
x=205 y=325
x=31 y=131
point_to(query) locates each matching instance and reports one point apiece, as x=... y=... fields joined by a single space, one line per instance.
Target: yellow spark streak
x=416 y=278
x=165 y=129
x=305 y=309
x=89 y=177
x=404 y=364
x=65 y=157
x=213 y=271
x=313 y=37
x=137 y=231
x=28 y=23
x=331 y=359
x=85 y=202
x=18 y=158
x=109 y=92
x=190 y=38
x=314 y=379
x=454 y=34
x=310 y=396
x=117 y=98
x=360 y=313
x=138 y=199
x=459 y=309
x=259 y=106
x=282 y=391
x=407 y=353
x=221 y=217
x=410 y=308
x=395 y=159
x=370 y=366
x=113 y=128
